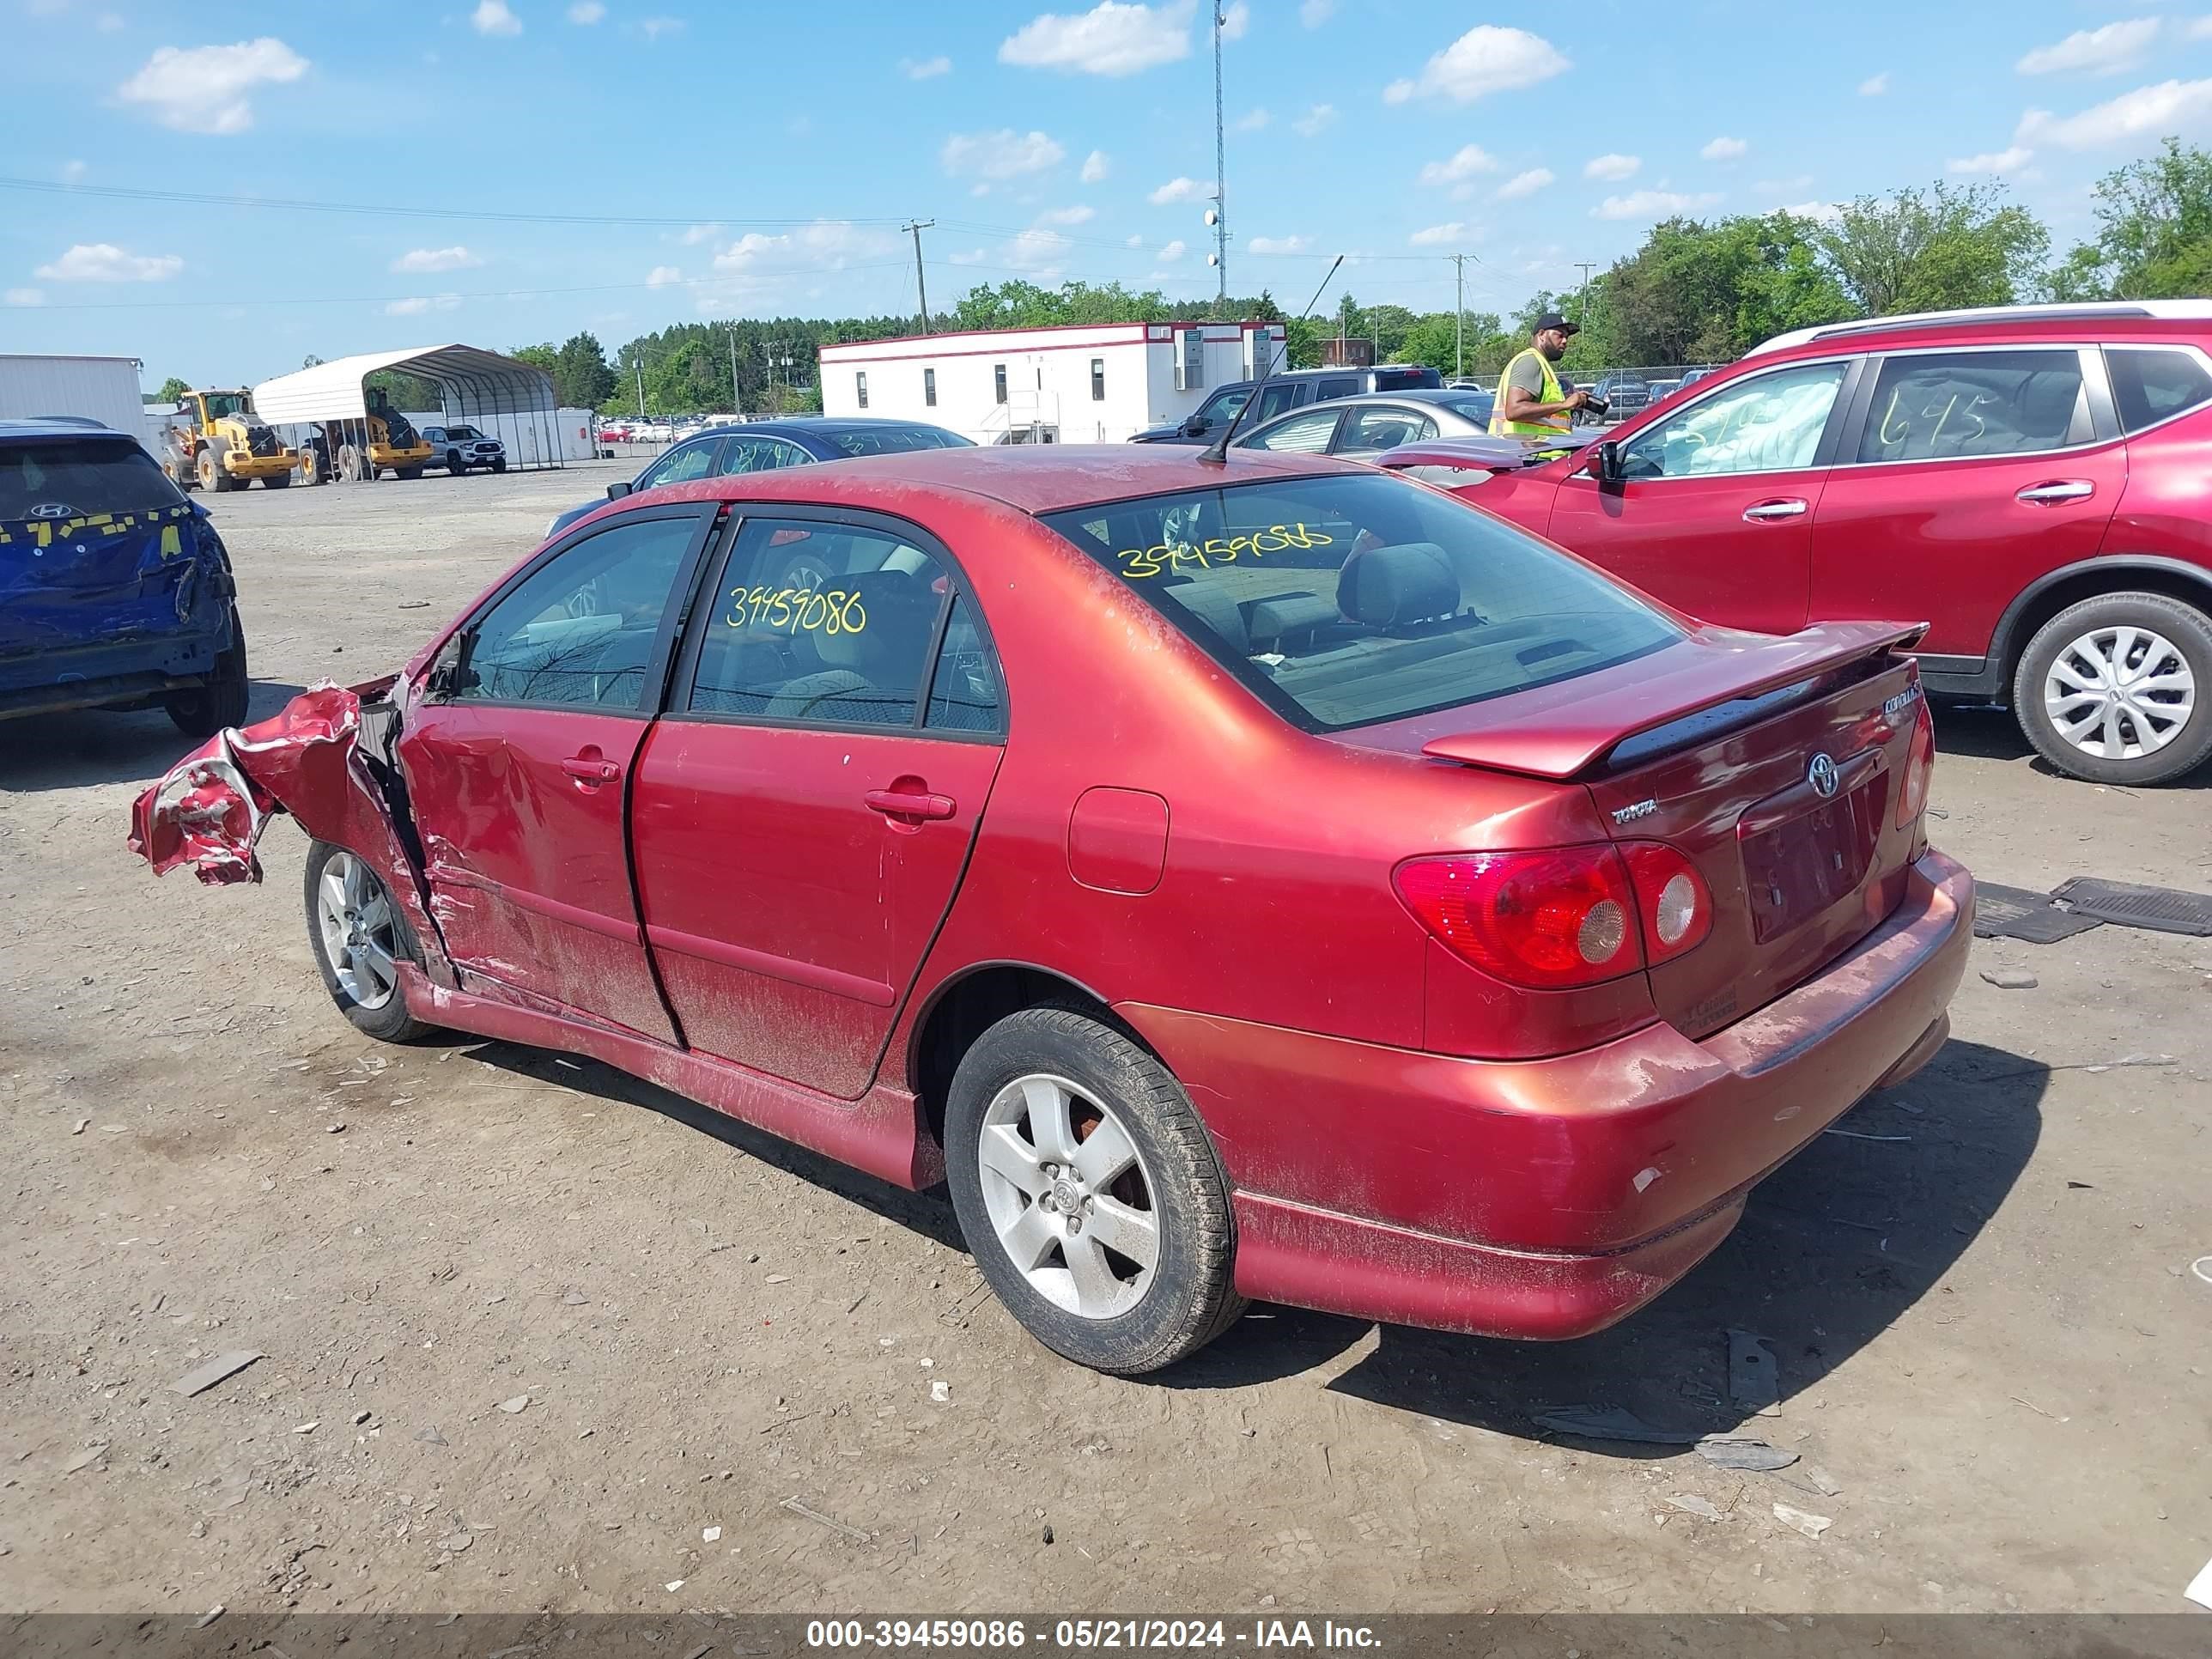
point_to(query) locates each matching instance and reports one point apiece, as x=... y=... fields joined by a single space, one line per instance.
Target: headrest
x=1384 y=586
x=898 y=608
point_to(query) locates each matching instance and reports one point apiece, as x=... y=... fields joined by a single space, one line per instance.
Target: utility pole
x=1582 y=299
x=1220 y=178
x=767 y=357
x=1459 y=315
x=917 y=226
x=640 y=386
x=737 y=397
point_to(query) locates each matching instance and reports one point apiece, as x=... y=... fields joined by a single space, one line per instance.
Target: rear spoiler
x=1560 y=731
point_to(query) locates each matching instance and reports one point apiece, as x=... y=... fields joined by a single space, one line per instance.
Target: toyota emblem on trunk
x=1821 y=774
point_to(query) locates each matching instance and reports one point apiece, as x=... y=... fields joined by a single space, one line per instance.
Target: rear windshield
x=1345 y=600
x=1400 y=380
x=76 y=479
x=895 y=439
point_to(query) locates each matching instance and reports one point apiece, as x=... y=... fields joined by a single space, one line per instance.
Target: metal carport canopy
x=493 y=385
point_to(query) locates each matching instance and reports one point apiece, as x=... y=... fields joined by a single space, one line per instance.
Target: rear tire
x=359 y=937
x=1055 y=1089
x=2154 y=655
x=205 y=710
x=278 y=481
x=409 y=472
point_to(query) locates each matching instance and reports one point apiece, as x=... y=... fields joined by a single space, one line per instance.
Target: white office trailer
x=104 y=389
x=1077 y=383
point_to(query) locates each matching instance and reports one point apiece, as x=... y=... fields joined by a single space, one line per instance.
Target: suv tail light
x=1919 y=766
x=1673 y=904
x=1550 y=919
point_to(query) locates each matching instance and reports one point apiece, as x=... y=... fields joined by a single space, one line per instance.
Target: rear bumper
x=1547 y=1199
x=98 y=676
x=240 y=464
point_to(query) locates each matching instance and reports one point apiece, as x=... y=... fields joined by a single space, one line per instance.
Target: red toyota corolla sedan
x=1269 y=879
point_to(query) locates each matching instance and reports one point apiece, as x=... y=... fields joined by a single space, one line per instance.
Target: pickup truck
x=463 y=448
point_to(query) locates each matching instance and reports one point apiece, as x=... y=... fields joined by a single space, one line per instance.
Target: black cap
x=1552 y=319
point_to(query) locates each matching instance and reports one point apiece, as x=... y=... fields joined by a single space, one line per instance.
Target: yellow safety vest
x=1549 y=425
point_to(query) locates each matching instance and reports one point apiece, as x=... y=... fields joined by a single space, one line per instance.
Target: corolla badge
x=1822 y=775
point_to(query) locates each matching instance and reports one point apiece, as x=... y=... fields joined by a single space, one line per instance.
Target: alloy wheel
x=360 y=933
x=1069 y=1196
x=2119 y=692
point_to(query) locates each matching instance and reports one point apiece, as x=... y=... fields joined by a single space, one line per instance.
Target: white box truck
x=104 y=389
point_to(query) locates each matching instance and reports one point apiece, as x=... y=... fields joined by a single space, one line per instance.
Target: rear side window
x=85 y=478
x=1301 y=435
x=2151 y=385
x=1954 y=405
x=1344 y=600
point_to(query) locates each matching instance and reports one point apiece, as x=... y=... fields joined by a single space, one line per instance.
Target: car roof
x=36 y=428
x=2119 y=319
x=1032 y=478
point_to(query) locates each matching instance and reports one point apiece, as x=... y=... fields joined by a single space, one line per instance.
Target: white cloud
x=1253 y=122
x=1236 y=18
x=2105 y=51
x=421 y=261
x=1279 y=244
x=1484 y=60
x=1040 y=252
x=493 y=17
x=2152 y=112
x=72 y=171
x=1005 y=153
x=1820 y=213
x=421 y=303
x=1069 y=215
x=1875 y=85
x=927 y=68
x=699 y=234
x=1525 y=184
x=24 y=296
x=1173 y=251
x=1613 y=169
x=104 y=262
x=1096 y=166
x=1110 y=38
x=663 y=276
x=204 y=89
x=2200 y=28
x=1313 y=13
x=587 y=12
x=1134 y=241
x=1996 y=163
x=1463 y=163
x=1650 y=205
x=653 y=27
x=1437 y=235
x=1314 y=119
x=1180 y=190
x=1725 y=150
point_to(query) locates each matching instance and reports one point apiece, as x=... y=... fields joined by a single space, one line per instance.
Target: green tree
x=407 y=392
x=2154 y=232
x=1933 y=250
x=170 y=390
x=581 y=377
x=1696 y=293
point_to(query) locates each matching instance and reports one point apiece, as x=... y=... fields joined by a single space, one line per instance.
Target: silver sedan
x=1362 y=428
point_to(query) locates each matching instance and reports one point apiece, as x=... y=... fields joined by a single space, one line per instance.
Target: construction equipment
x=217 y=443
x=358 y=451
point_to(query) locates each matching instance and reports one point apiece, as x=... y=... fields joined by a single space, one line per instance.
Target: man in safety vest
x=1530 y=401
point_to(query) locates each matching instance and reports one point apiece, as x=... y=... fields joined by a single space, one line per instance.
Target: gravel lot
x=533 y=1330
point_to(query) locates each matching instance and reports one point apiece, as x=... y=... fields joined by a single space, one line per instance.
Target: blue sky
x=765 y=155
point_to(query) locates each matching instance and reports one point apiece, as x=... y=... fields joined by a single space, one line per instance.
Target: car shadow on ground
x=90 y=747
x=1833 y=1249
x=1988 y=732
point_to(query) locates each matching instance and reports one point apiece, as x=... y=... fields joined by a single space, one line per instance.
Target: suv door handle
x=2057 y=490
x=1763 y=512
x=898 y=804
x=591 y=768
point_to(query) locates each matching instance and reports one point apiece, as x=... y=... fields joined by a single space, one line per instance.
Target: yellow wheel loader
x=217 y=442
x=358 y=451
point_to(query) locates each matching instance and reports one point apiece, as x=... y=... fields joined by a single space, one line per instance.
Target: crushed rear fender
x=209 y=810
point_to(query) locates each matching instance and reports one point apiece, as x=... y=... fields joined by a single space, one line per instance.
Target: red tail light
x=1548 y=919
x=1919 y=766
x=1673 y=905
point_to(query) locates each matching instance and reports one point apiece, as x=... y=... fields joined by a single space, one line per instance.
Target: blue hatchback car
x=115 y=590
x=767 y=445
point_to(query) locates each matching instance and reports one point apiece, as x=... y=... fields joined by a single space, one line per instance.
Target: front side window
x=1766 y=424
x=1348 y=599
x=682 y=464
x=860 y=384
x=929 y=388
x=820 y=622
x=1302 y=435
x=1372 y=430
x=1097 y=380
x=579 y=631
x=999 y=381
x=2151 y=385
x=1224 y=405
x=1941 y=406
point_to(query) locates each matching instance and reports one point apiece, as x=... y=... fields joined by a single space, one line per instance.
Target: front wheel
x=499 y=467
x=360 y=938
x=2114 y=689
x=278 y=481
x=1089 y=1193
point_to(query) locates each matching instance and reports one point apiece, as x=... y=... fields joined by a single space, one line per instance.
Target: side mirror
x=1605 y=462
x=616 y=491
x=1194 y=426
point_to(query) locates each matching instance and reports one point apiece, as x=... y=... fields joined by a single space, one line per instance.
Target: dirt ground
x=533 y=1331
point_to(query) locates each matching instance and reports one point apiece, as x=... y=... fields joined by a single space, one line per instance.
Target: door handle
x=591 y=768
x=1764 y=512
x=898 y=804
x=2057 y=490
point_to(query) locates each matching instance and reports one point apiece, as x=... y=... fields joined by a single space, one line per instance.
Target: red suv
x=2031 y=481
